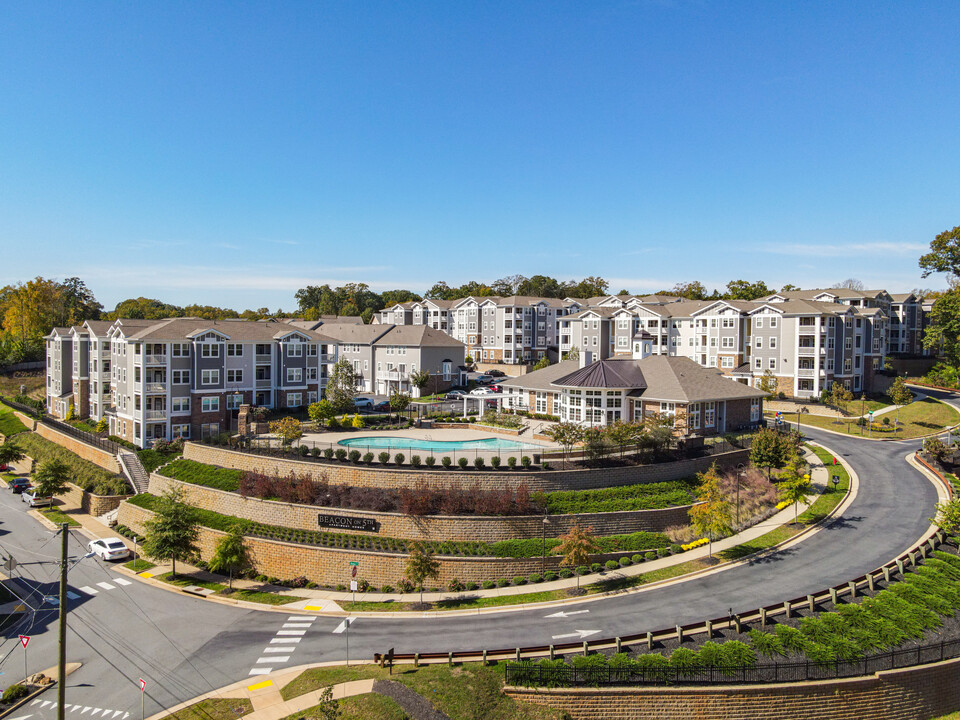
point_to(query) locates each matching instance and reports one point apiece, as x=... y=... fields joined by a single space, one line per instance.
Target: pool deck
x=323 y=440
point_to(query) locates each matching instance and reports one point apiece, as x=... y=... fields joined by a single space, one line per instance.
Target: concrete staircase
x=134 y=470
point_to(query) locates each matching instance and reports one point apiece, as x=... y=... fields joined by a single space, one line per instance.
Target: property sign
x=353 y=586
x=24 y=639
x=346 y=522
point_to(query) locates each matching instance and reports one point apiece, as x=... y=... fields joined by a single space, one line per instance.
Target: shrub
x=502 y=582
x=368 y=458
x=384 y=457
x=462 y=462
x=637 y=559
x=341 y=587
x=16 y=692
x=487 y=584
x=478 y=463
x=596 y=567
x=685 y=660
x=566 y=573
x=387 y=589
x=303 y=450
x=399 y=458
x=470 y=586
x=511 y=462
x=495 y=461
x=430 y=461
x=404 y=585
x=455 y=585
x=650 y=556
x=446 y=462
x=535 y=578
x=526 y=461
x=328 y=453
x=354 y=456
x=415 y=461
x=316 y=452
x=676 y=549
x=625 y=561
x=341 y=454
x=549 y=576
x=519 y=580
x=766 y=643
x=583 y=570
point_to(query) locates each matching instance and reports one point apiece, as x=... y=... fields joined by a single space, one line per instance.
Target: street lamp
x=543 y=558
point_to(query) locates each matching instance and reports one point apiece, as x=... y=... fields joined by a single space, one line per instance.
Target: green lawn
x=9 y=423
x=921 y=417
x=456 y=691
x=214 y=709
x=951 y=716
x=58 y=517
x=138 y=565
x=266 y=598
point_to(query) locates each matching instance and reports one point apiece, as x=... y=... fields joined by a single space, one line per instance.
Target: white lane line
x=89 y=590
x=300 y=618
x=292 y=632
x=72 y=595
x=283 y=641
x=276 y=659
x=35 y=702
x=285 y=649
x=121 y=581
x=260 y=671
x=106 y=586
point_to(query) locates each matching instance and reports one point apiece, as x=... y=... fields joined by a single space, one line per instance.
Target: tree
x=795 y=492
x=230 y=555
x=173 y=531
x=288 y=429
x=767 y=382
x=419 y=379
x=399 y=401
x=52 y=478
x=901 y=395
x=789 y=287
x=358 y=422
x=944 y=255
x=566 y=434
x=743 y=290
x=572 y=354
x=624 y=433
x=321 y=412
x=690 y=290
x=542 y=363
x=509 y=285
x=342 y=386
x=712 y=515
x=10 y=453
x=102 y=425
x=658 y=431
x=850 y=284
x=948 y=517
x=328 y=708
x=79 y=304
x=943 y=332
x=575 y=548
x=768 y=449
x=420 y=566
x=839 y=397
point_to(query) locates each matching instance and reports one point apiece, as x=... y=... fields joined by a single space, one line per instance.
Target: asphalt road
x=184 y=646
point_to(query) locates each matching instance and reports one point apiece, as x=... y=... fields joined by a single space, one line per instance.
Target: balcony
x=153 y=388
x=806 y=351
x=807 y=329
x=153 y=415
x=806 y=372
x=328 y=358
x=394 y=375
x=263 y=382
x=156 y=359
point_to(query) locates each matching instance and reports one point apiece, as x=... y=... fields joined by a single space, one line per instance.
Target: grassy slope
x=919 y=418
x=267 y=598
x=359 y=707
x=9 y=423
x=214 y=709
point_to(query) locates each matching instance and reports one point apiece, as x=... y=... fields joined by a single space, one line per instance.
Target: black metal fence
x=83 y=436
x=530 y=674
x=25 y=409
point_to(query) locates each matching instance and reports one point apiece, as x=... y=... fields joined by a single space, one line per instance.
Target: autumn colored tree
x=575 y=548
x=712 y=516
x=288 y=429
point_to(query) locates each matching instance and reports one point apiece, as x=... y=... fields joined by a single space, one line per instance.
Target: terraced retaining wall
x=432 y=527
x=916 y=693
x=330 y=566
x=88 y=452
x=346 y=473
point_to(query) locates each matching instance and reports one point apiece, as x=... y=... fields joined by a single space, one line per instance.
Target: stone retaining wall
x=436 y=527
x=30 y=422
x=95 y=505
x=330 y=566
x=916 y=693
x=95 y=455
x=346 y=473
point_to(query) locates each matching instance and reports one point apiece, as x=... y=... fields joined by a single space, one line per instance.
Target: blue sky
x=230 y=153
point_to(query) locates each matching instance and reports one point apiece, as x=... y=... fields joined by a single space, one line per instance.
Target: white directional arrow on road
x=577 y=634
x=563 y=614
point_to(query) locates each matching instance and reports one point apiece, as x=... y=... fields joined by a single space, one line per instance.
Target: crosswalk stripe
x=261 y=671
x=291 y=632
x=278 y=659
x=296 y=625
x=89 y=590
x=285 y=649
x=106 y=586
x=280 y=641
x=300 y=618
x=72 y=595
x=121 y=581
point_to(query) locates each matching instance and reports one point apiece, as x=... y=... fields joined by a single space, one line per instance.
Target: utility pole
x=62 y=659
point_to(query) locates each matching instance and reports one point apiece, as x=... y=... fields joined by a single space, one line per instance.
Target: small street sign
x=24 y=639
x=11 y=564
x=143 y=684
x=353 y=586
x=836 y=478
x=354 y=563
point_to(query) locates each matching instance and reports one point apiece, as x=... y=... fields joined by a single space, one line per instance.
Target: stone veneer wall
x=916 y=693
x=347 y=473
x=30 y=422
x=330 y=566
x=87 y=452
x=437 y=527
x=91 y=504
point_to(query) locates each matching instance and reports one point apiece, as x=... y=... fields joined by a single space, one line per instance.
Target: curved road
x=186 y=646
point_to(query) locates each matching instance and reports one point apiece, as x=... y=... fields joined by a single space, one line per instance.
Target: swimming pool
x=380 y=442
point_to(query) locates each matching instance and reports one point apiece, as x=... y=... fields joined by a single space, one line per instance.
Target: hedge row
x=650 y=496
x=84 y=473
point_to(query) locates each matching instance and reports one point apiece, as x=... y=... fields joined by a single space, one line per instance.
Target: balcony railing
x=154 y=414
x=263 y=382
x=156 y=359
x=155 y=387
x=395 y=375
x=806 y=351
x=806 y=372
x=807 y=329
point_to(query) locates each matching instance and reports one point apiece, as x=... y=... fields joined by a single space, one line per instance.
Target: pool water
x=379 y=442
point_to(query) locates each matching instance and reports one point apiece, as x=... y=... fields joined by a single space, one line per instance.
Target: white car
x=482 y=391
x=456 y=393
x=109 y=549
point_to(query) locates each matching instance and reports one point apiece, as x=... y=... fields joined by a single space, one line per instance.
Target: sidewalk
x=327 y=601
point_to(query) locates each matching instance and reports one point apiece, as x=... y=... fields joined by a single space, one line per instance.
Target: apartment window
x=690 y=342
x=621 y=341
x=210 y=404
x=294 y=375
x=263 y=349
x=234 y=350
x=182 y=431
x=668 y=408
x=234 y=401
x=773 y=343
x=727 y=342
x=848 y=343
x=713 y=342
x=180 y=405
x=123 y=372
x=180 y=349
x=209 y=350
x=758 y=342
x=693 y=416
x=726 y=362
x=773 y=363
x=311 y=373
x=709 y=414
x=294 y=399
x=311 y=397
x=754 y=409
x=728 y=322
x=294 y=349
x=773 y=322
x=234 y=376
x=758 y=363
x=209 y=429
x=713 y=322
x=209 y=377
x=759 y=323
x=311 y=350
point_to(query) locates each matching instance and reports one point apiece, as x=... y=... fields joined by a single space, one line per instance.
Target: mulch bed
x=413 y=703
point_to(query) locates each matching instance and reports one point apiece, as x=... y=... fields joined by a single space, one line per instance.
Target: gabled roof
x=232 y=329
x=359 y=334
x=417 y=336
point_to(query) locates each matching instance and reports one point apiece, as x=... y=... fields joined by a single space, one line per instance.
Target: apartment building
x=434 y=313
x=906 y=325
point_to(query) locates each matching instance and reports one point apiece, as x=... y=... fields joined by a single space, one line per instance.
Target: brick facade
x=916 y=693
x=330 y=566
x=437 y=527
x=536 y=480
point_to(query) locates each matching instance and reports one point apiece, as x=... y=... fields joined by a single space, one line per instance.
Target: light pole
x=543 y=552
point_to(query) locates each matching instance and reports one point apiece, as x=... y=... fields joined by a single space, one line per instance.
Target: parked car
x=481 y=391
x=36 y=500
x=495 y=388
x=18 y=485
x=456 y=393
x=382 y=406
x=483 y=379
x=496 y=373
x=109 y=549
x=363 y=403
x=4 y=467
